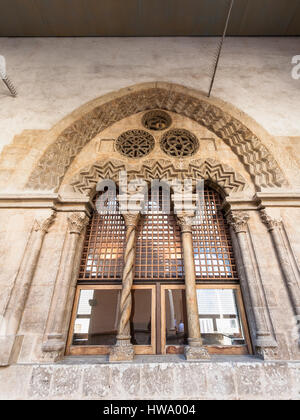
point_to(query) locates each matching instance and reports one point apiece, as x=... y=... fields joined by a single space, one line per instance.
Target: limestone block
x=96 y=382
x=66 y=381
x=40 y=380
x=249 y=380
x=220 y=382
x=157 y=380
x=14 y=381
x=190 y=380
x=277 y=381
x=125 y=381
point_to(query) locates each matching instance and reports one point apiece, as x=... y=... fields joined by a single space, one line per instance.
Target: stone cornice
x=51 y=201
x=277 y=199
x=261 y=200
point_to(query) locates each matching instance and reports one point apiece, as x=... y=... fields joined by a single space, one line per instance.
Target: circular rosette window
x=135 y=143
x=179 y=143
x=156 y=120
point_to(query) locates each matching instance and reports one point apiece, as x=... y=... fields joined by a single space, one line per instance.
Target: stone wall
x=56 y=76
x=248 y=151
x=234 y=380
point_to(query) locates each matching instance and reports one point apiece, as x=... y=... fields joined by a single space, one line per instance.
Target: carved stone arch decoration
x=221 y=175
x=210 y=113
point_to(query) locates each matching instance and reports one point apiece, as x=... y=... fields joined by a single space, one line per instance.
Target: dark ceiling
x=148 y=17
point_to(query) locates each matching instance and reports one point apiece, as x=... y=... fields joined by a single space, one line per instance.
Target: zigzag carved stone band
x=258 y=161
x=208 y=169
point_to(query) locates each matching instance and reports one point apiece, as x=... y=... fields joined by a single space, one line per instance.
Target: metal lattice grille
x=213 y=253
x=102 y=257
x=158 y=251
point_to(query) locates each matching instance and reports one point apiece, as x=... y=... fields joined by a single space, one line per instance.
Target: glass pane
x=140 y=321
x=176 y=319
x=97 y=318
x=219 y=317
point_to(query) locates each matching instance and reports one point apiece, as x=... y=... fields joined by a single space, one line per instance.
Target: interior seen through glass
x=98 y=316
x=220 y=322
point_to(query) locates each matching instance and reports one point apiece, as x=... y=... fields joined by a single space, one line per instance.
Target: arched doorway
x=158 y=322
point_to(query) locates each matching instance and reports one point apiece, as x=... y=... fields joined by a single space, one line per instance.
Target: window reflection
x=176 y=319
x=219 y=318
x=140 y=321
x=97 y=317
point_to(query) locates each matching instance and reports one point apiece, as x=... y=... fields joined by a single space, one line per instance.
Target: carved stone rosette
x=123 y=350
x=9 y=342
x=194 y=350
x=55 y=340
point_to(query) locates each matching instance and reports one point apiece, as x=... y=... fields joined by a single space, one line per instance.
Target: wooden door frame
x=102 y=349
x=232 y=350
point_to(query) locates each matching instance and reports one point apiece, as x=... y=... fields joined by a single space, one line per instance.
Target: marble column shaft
x=273 y=226
x=19 y=294
x=263 y=336
x=194 y=350
x=55 y=340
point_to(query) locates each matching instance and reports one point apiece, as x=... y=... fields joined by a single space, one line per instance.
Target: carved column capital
x=185 y=221
x=131 y=219
x=43 y=224
x=269 y=221
x=238 y=220
x=76 y=222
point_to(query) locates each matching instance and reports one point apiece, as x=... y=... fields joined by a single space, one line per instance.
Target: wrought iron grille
x=102 y=257
x=158 y=248
x=213 y=253
x=159 y=254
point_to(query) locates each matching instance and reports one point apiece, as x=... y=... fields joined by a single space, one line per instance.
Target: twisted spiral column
x=123 y=350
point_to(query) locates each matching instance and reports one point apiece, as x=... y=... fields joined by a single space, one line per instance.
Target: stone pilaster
x=123 y=349
x=290 y=280
x=55 y=339
x=9 y=340
x=194 y=349
x=263 y=336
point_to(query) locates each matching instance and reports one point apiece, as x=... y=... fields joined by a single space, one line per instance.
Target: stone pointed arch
x=221 y=175
x=215 y=115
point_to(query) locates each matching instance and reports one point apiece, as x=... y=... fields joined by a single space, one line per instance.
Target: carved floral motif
x=268 y=220
x=238 y=220
x=43 y=225
x=76 y=222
